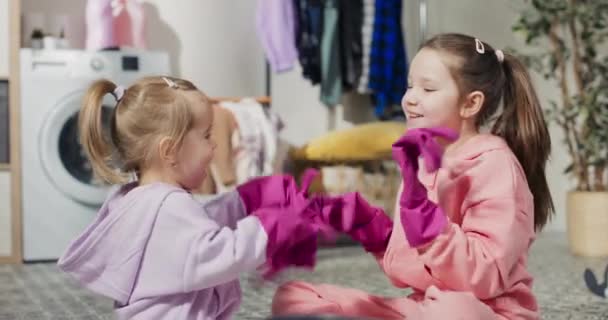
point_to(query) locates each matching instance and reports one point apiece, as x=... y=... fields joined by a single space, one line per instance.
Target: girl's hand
x=422 y=219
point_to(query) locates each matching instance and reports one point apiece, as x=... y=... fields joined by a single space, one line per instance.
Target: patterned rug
x=41 y=291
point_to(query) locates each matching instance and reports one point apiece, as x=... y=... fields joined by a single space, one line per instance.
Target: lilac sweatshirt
x=161 y=254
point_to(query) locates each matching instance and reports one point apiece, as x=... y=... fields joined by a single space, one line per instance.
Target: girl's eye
x=429 y=90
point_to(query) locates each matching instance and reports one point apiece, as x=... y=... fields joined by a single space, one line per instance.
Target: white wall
x=211 y=42
x=217 y=47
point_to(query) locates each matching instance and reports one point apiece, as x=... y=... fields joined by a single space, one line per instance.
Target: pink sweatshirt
x=483 y=191
x=161 y=254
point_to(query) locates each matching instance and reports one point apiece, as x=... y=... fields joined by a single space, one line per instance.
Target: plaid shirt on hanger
x=388 y=62
x=309 y=31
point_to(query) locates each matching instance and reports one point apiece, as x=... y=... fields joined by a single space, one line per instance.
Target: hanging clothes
x=222 y=172
x=331 y=73
x=309 y=16
x=256 y=143
x=275 y=23
x=351 y=19
x=114 y=23
x=367 y=29
x=388 y=64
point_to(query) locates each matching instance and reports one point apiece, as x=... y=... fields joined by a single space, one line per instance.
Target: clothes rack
x=422 y=20
x=265 y=100
x=422 y=33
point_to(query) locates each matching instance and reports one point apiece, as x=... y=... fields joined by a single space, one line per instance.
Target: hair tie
x=500 y=55
x=118 y=92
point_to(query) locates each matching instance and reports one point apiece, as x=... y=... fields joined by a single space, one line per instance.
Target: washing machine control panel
x=130 y=63
x=124 y=66
x=97 y=64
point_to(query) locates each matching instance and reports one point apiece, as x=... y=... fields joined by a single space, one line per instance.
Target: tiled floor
x=40 y=291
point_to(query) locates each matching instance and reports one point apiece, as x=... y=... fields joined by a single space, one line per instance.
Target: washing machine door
x=62 y=156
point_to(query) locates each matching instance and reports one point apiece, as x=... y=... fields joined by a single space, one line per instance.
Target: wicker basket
x=377 y=180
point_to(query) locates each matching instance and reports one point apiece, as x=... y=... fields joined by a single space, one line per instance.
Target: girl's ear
x=166 y=152
x=472 y=104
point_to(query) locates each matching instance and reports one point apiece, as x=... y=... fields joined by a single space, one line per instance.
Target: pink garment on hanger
x=115 y=23
x=99 y=24
x=129 y=25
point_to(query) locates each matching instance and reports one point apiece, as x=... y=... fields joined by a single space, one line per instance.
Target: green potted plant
x=568 y=39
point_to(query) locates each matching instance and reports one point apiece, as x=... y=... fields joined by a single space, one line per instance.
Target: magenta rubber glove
x=351 y=214
x=290 y=222
x=292 y=239
x=272 y=191
x=422 y=219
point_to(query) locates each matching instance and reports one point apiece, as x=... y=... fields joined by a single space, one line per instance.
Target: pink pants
x=299 y=298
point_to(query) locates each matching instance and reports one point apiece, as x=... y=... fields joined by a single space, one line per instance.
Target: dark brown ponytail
x=524 y=128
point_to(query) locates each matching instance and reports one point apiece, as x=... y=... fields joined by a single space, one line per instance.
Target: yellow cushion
x=370 y=141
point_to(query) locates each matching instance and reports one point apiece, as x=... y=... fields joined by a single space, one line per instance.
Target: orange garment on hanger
x=224 y=126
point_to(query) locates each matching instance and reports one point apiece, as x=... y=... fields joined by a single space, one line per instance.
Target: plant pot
x=587 y=223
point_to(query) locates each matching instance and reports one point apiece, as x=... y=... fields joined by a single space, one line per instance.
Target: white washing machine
x=59 y=196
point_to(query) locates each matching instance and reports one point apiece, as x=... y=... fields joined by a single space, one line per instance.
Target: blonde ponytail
x=94 y=139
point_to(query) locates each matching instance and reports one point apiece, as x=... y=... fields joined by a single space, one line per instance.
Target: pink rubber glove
x=274 y=191
x=422 y=219
x=352 y=215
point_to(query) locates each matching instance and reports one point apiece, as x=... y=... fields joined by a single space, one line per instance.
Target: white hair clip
x=118 y=92
x=170 y=83
x=479 y=46
x=500 y=55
